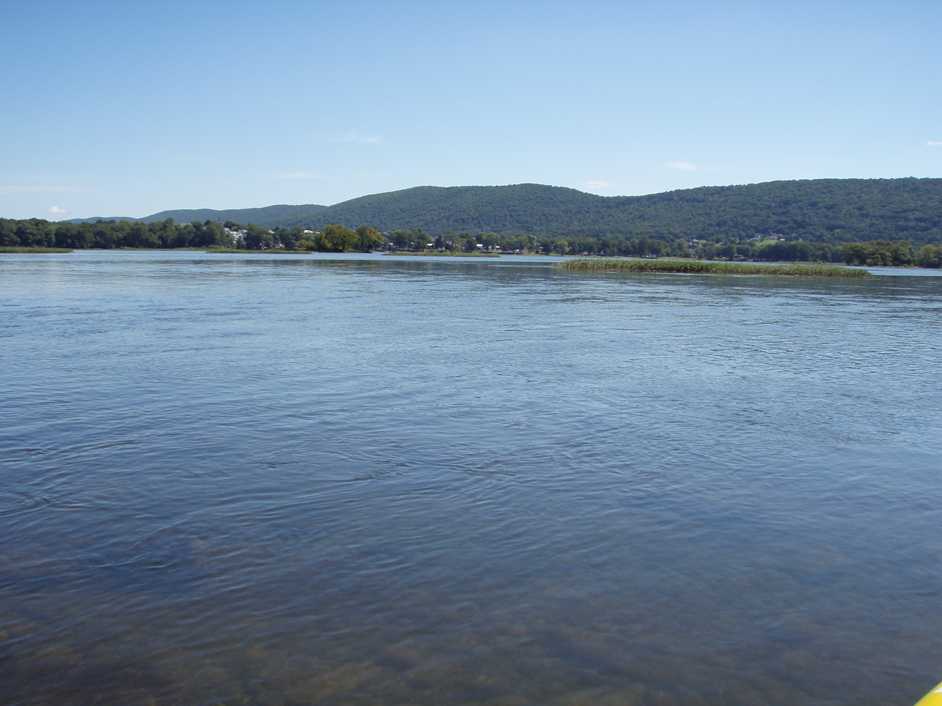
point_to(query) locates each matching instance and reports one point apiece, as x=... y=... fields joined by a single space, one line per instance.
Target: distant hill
x=265 y=216
x=830 y=210
x=96 y=219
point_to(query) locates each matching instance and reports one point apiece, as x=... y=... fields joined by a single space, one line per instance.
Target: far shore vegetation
x=445 y=253
x=37 y=235
x=247 y=251
x=796 y=269
x=14 y=249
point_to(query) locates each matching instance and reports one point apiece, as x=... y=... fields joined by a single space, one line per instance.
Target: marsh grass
x=702 y=267
x=37 y=251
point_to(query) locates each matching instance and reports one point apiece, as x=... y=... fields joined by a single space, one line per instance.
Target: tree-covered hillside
x=268 y=216
x=517 y=209
x=820 y=210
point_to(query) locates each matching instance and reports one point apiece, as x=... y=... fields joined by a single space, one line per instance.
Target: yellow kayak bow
x=933 y=698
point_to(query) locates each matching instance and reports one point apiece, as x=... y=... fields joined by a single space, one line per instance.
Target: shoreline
x=589 y=264
x=436 y=253
x=25 y=250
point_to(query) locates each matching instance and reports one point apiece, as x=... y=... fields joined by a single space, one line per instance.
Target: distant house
x=238 y=236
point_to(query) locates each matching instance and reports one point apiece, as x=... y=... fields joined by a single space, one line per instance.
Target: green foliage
x=257 y=238
x=929 y=256
x=267 y=216
x=700 y=267
x=443 y=253
x=336 y=238
x=369 y=239
x=246 y=251
x=14 y=249
x=820 y=211
x=36 y=233
x=859 y=221
x=880 y=253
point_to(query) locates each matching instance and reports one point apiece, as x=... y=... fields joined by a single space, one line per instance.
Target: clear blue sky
x=126 y=108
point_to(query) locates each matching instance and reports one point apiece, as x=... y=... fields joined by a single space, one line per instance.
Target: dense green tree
x=288 y=237
x=369 y=239
x=879 y=253
x=257 y=238
x=336 y=238
x=8 y=234
x=929 y=256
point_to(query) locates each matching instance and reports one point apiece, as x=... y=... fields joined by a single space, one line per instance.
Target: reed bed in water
x=702 y=267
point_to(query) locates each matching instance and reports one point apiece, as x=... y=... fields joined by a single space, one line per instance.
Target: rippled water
x=249 y=480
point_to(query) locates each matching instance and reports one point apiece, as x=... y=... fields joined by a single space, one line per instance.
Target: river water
x=371 y=480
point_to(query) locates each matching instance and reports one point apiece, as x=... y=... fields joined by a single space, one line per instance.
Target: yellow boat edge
x=933 y=698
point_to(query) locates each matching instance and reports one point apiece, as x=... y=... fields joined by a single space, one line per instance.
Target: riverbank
x=703 y=267
x=267 y=251
x=18 y=250
x=284 y=251
x=443 y=253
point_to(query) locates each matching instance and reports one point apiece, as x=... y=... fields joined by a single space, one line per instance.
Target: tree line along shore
x=37 y=234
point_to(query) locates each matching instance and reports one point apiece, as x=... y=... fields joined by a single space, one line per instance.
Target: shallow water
x=292 y=480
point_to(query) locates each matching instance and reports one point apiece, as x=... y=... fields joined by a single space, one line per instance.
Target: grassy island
x=37 y=251
x=702 y=267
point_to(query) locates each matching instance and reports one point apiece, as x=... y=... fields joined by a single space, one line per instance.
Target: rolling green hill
x=265 y=216
x=821 y=210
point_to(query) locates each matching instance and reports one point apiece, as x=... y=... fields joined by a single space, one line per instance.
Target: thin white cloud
x=681 y=165
x=358 y=138
x=597 y=184
x=38 y=189
x=57 y=211
x=298 y=175
x=934 y=143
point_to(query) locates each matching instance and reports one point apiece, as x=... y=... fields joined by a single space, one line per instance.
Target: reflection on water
x=235 y=480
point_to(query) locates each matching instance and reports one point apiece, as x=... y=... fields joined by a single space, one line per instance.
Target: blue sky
x=117 y=108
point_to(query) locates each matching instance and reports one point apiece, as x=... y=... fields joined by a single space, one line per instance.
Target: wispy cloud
x=358 y=138
x=597 y=184
x=39 y=189
x=57 y=211
x=934 y=143
x=298 y=175
x=681 y=165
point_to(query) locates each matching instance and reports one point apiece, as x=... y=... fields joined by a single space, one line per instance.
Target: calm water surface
x=289 y=480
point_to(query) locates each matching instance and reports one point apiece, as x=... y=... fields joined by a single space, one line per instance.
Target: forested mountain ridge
x=269 y=216
x=820 y=210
